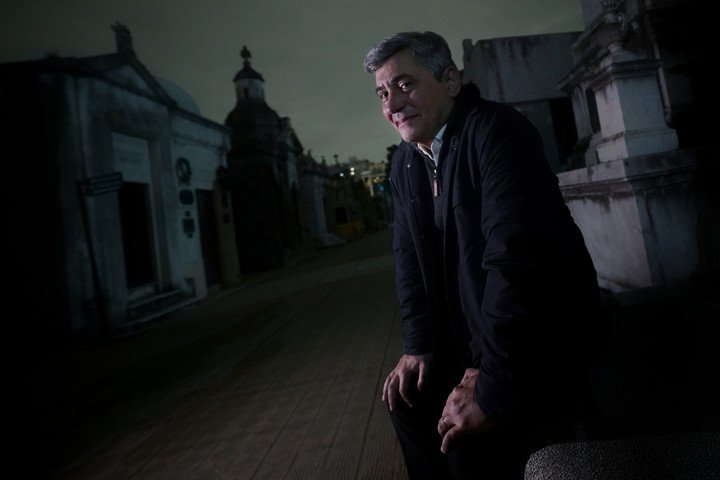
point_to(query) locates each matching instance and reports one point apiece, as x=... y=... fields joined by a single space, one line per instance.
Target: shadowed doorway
x=136 y=234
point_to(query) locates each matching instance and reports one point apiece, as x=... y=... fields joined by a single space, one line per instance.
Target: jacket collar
x=466 y=101
x=468 y=98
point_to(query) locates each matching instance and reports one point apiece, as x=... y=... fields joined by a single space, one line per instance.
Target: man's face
x=413 y=100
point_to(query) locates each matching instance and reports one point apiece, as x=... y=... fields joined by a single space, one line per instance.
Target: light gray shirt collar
x=434 y=152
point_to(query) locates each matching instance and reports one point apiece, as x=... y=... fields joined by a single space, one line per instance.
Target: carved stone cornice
x=624 y=69
x=611 y=26
x=612 y=34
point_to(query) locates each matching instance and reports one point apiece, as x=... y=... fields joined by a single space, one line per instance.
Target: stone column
x=629 y=106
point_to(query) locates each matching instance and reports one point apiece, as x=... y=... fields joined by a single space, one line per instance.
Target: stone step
x=146 y=310
x=142 y=306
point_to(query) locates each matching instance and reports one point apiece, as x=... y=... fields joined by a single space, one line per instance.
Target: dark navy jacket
x=521 y=289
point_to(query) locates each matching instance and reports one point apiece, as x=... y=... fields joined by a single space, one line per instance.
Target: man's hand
x=462 y=415
x=408 y=368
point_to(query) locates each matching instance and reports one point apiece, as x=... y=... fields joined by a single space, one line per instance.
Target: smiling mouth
x=404 y=121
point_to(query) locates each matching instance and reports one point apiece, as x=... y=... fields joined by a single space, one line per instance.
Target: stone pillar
x=638 y=198
x=630 y=110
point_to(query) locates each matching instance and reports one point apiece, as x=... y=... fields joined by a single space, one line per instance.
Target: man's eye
x=405 y=86
x=382 y=95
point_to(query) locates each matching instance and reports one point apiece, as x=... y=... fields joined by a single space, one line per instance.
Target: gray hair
x=429 y=49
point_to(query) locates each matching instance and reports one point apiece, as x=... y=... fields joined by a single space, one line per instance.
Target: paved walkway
x=279 y=378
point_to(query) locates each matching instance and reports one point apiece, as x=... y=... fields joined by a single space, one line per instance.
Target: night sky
x=309 y=51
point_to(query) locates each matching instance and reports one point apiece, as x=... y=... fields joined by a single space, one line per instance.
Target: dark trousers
x=500 y=453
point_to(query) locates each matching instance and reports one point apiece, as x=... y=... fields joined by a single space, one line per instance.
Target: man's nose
x=395 y=102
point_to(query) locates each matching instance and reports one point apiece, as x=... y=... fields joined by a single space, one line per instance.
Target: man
x=498 y=295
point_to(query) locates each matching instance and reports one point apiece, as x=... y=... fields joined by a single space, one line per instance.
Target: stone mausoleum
x=121 y=212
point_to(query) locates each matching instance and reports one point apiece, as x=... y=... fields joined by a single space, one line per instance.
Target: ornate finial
x=246 y=55
x=247 y=73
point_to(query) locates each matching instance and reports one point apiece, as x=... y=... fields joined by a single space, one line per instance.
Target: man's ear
x=452 y=80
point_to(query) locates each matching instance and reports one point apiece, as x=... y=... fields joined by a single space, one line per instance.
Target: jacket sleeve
x=411 y=292
x=519 y=200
